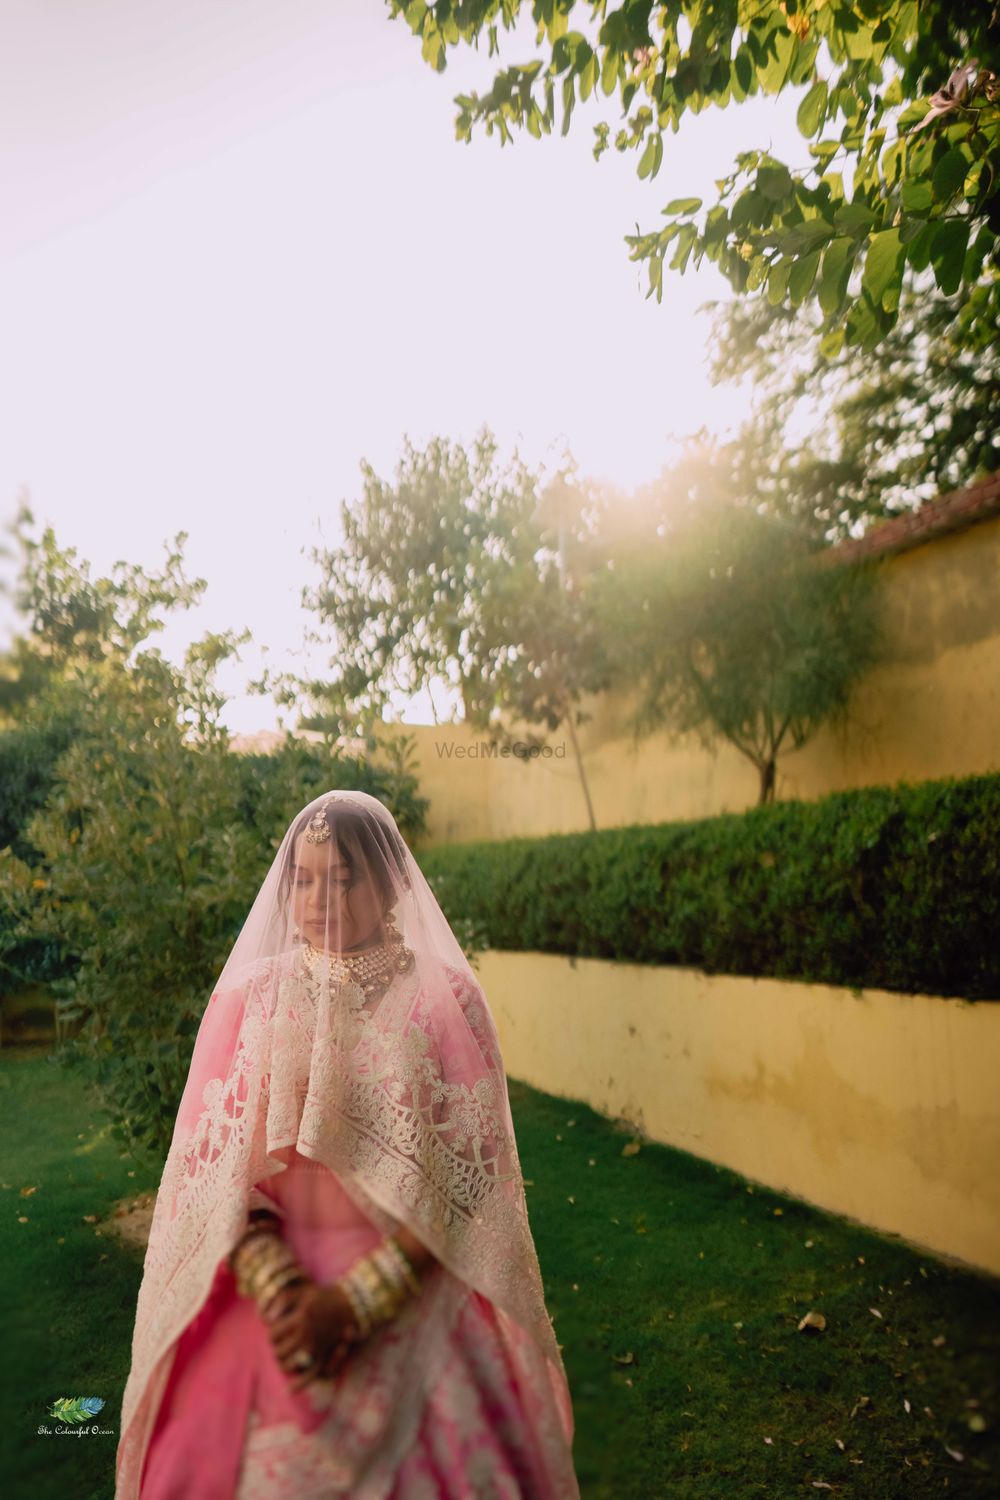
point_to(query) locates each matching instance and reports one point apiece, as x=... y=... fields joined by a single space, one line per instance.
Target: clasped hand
x=316 y=1318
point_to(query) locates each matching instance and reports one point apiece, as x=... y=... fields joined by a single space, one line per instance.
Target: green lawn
x=675 y=1287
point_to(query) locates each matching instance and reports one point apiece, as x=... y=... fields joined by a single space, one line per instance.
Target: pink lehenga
x=347 y=1117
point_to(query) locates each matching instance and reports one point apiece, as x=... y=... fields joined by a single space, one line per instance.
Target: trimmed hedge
x=894 y=888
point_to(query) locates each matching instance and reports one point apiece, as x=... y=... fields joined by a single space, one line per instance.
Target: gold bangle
x=250 y=1244
x=358 y=1308
x=261 y=1275
x=368 y=1283
x=406 y=1268
x=257 y=1270
x=386 y=1298
x=290 y=1277
x=256 y=1247
x=391 y=1275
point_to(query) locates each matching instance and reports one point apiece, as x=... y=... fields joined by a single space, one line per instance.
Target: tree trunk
x=767 y=779
x=580 y=768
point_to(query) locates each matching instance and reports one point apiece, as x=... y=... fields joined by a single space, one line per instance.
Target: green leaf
x=756 y=273
x=652 y=156
x=883 y=264
x=918 y=249
x=777 y=281
x=802 y=276
x=863 y=325
x=855 y=218
x=977 y=180
x=916 y=196
x=837 y=261
x=685 y=244
x=609 y=70
x=951 y=237
x=977 y=253
x=812 y=110
x=683 y=206
x=831 y=343
x=781 y=49
x=949 y=174
x=774 y=182
x=569 y=102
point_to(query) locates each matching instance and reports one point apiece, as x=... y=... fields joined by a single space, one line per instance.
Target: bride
x=341 y=1295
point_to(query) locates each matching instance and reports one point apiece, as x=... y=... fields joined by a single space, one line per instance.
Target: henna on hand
x=317 y=1318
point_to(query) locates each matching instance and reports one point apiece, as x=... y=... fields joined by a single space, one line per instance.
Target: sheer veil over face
x=347 y=1028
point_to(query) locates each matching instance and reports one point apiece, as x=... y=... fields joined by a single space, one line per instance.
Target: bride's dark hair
x=367 y=845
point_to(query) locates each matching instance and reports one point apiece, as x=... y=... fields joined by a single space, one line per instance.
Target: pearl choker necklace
x=371 y=969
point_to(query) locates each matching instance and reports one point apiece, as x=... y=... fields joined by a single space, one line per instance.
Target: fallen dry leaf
x=874 y=1312
x=624 y=1359
x=90 y=1218
x=27 y=1192
x=861 y=1402
x=812 y=1320
x=632 y=1148
x=955 y=1454
x=22 y=1218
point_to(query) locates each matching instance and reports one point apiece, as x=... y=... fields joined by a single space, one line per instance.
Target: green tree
x=860 y=438
x=452 y=574
x=726 y=623
x=898 y=102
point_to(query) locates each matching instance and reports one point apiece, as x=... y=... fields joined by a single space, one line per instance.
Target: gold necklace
x=372 y=970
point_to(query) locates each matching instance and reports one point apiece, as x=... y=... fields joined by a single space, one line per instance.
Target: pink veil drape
x=384 y=1068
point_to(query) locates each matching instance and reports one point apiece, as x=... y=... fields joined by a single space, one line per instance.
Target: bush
x=894 y=888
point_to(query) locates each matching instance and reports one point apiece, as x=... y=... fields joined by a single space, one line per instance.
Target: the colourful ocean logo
x=72 y=1409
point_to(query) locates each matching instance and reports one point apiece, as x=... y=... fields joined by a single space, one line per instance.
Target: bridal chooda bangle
x=264 y=1265
x=378 y=1284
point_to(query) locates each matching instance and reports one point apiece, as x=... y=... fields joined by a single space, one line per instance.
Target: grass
x=675 y=1287
x=702 y=1278
x=70 y=1290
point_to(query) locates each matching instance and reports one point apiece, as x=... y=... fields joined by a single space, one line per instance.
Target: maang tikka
x=318 y=829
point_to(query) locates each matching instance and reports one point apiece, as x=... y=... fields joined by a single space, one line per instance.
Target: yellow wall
x=932 y=709
x=883 y=1107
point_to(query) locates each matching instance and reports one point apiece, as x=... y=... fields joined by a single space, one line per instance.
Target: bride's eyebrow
x=338 y=869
